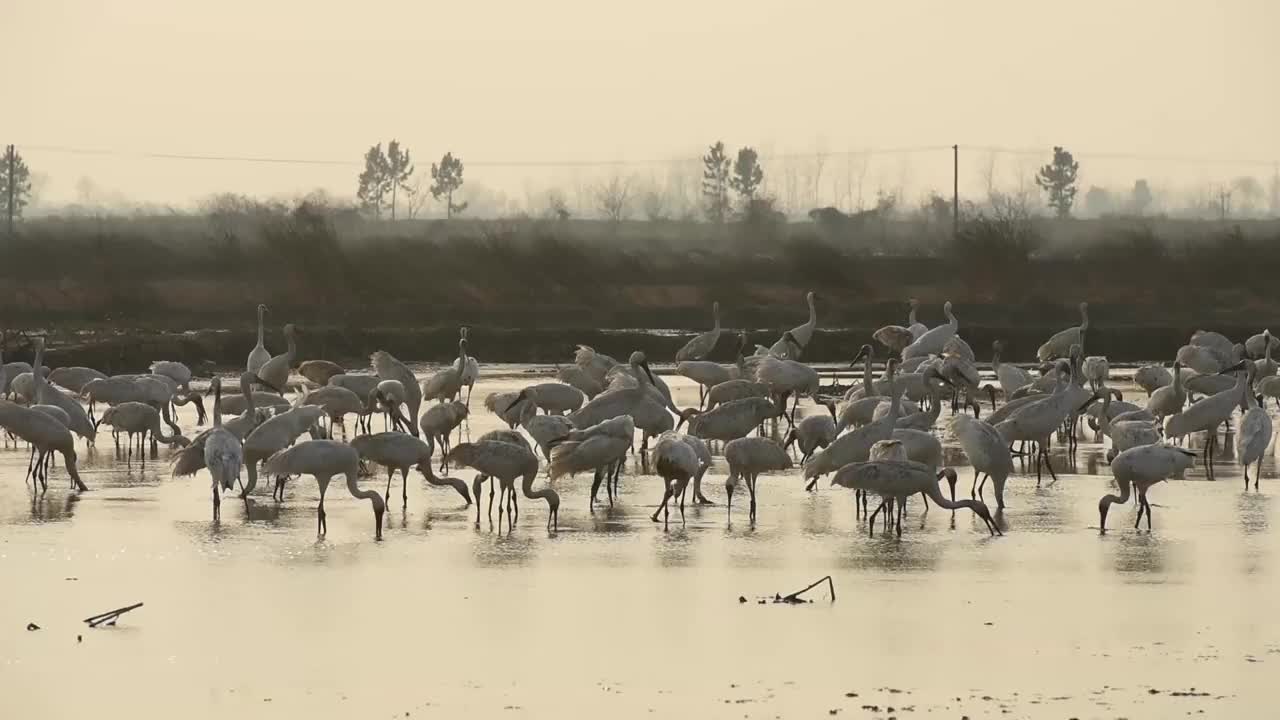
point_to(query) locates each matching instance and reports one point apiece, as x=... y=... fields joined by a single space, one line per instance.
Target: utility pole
x=10 y=160
x=955 y=191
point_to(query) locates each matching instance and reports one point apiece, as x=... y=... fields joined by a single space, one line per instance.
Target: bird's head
x=981 y=510
x=688 y=415
x=790 y=440
x=865 y=351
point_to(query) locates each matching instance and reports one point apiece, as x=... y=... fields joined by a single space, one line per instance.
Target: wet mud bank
x=133 y=350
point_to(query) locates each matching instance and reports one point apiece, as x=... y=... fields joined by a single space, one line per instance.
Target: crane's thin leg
x=1049 y=463
x=501 y=492
x=1213 y=444
x=595 y=487
x=1257 y=473
x=390 y=472
x=682 y=492
x=973 y=489
x=495 y=482
x=752 y=487
x=322 y=524
x=666 y=493
x=404 y=488
x=871 y=521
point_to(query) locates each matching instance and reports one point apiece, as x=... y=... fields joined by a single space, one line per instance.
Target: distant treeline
x=315 y=266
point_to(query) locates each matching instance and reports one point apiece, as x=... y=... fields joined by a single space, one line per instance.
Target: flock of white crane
x=881 y=438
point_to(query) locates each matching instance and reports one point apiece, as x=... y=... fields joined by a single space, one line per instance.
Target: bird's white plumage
x=934 y=341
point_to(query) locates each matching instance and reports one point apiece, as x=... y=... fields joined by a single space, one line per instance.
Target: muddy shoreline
x=133 y=350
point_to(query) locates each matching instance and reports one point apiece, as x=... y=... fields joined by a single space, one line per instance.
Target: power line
x=69 y=150
x=812 y=154
x=1143 y=157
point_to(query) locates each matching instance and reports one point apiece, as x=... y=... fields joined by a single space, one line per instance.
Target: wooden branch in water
x=110 y=616
x=795 y=596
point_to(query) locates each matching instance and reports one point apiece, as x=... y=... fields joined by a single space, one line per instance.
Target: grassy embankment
x=352 y=283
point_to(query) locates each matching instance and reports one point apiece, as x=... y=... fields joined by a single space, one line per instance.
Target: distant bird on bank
x=702 y=345
x=1059 y=345
x=274 y=373
x=793 y=343
x=935 y=340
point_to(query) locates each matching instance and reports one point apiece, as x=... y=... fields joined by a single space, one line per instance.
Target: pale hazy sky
x=591 y=80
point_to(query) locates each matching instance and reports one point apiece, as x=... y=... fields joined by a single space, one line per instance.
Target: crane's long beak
x=523 y=394
x=1234 y=368
x=648 y=372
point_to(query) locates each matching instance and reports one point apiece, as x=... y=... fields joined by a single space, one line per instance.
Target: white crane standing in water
x=401 y=451
x=702 y=345
x=45 y=434
x=277 y=433
x=987 y=452
x=677 y=463
x=747 y=458
x=935 y=340
x=324 y=459
x=505 y=462
x=223 y=453
x=899 y=480
x=386 y=367
x=446 y=384
x=468 y=370
x=1206 y=414
x=259 y=355
x=601 y=448
x=1059 y=345
x=897 y=337
x=1255 y=432
x=1142 y=467
x=793 y=342
x=275 y=372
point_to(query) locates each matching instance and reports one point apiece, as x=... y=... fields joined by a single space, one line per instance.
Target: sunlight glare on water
x=256 y=617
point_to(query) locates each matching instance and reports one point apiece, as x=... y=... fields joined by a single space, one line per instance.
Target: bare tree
x=654 y=202
x=681 y=195
x=613 y=198
x=818 y=162
x=987 y=173
x=557 y=205
x=791 y=185
x=416 y=194
x=1249 y=194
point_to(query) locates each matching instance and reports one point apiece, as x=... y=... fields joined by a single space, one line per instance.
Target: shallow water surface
x=256 y=617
